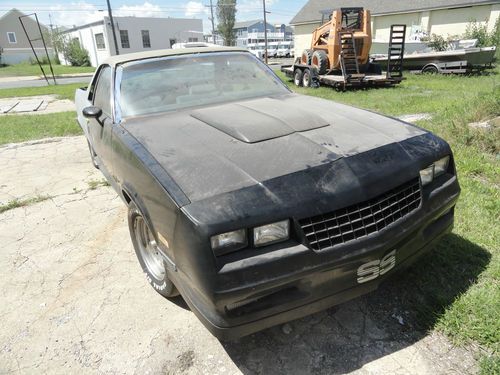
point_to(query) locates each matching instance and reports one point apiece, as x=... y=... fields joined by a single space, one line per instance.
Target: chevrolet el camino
x=256 y=204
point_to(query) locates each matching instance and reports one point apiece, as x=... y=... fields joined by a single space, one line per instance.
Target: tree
x=71 y=50
x=226 y=15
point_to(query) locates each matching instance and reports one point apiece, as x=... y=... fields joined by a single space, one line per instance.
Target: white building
x=133 y=34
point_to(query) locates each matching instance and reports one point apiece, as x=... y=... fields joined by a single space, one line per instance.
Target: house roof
x=75 y=28
x=311 y=11
x=16 y=13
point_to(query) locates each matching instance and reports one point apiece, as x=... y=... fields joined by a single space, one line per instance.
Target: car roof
x=120 y=59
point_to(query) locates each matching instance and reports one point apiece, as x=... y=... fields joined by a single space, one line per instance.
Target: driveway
x=74 y=300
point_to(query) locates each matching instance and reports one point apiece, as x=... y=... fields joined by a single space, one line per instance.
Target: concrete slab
x=53 y=166
x=27 y=105
x=35 y=105
x=74 y=299
x=7 y=105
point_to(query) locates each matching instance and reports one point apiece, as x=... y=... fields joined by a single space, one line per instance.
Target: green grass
x=457 y=290
x=94 y=184
x=20 y=128
x=63 y=91
x=34 y=70
x=16 y=203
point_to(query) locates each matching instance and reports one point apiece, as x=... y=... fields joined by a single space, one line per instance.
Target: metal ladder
x=396 y=51
x=348 y=57
x=40 y=38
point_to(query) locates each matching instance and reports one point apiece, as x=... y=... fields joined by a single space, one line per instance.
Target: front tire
x=150 y=259
x=320 y=61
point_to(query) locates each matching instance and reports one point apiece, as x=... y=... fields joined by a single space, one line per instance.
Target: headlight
x=228 y=242
x=434 y=170
x=427 y=175
x=271 y=233
x=441 y=166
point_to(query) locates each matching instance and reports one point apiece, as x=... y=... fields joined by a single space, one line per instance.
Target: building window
x=99 y=41
x=146 y=41
x=12 y=37
x=191 y=40
x=124 y=38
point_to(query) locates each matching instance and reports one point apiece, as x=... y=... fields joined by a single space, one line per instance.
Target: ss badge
x=371 y=270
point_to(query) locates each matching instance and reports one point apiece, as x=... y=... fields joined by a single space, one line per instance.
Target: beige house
x=14 y=45
x=442 y=17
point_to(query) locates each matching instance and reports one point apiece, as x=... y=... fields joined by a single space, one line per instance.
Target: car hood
x=215 y=150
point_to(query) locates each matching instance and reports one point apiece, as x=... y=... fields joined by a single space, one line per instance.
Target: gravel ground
x=74 y=300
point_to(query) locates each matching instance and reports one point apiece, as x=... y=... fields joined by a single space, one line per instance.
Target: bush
x=43 y=60
x=76 y=54
x=480 y=32
x=437 y=42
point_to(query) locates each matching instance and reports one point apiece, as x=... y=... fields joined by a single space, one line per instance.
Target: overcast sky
x=73 y=12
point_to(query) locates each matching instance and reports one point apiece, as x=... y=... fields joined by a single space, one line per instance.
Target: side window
x=102 y=94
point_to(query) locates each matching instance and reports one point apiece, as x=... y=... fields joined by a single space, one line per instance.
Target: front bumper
x=255 y=293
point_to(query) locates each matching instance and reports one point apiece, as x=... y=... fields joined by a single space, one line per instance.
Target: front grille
x=360 y=220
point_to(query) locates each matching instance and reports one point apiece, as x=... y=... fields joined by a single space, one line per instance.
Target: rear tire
x=297 y=77
x=430 y=69
x=152 y=263
x=306 y=57
x=307 y=78
x=320 y=61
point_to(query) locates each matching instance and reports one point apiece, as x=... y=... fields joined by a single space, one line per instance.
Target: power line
x=212 y=20
x=110 y=13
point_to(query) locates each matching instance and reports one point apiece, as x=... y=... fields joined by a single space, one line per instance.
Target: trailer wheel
x=306 y=78
x=306 y=57
x=430 y=69
x=297 y=77
x=320 y=61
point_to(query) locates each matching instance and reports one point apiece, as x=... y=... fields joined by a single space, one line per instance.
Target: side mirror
x=92 y=112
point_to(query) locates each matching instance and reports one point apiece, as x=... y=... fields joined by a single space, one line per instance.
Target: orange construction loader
x=348 y=30
x=340 y=54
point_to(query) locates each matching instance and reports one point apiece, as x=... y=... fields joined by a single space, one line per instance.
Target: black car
x=256 y=204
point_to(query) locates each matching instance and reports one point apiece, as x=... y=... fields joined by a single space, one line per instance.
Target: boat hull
x=475 y=58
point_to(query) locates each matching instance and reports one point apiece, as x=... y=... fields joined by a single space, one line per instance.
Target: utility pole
x=212 y=19
x=52 y=38
x=110 y=14
x=265 y=30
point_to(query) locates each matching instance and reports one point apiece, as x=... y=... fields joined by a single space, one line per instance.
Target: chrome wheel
x=148 y=249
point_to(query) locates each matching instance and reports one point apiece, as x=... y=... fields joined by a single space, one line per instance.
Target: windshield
x=178 y=82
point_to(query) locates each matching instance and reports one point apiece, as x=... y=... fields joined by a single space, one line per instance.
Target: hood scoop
x=259 y=120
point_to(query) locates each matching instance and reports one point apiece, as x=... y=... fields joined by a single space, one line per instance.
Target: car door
x=100 y=127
